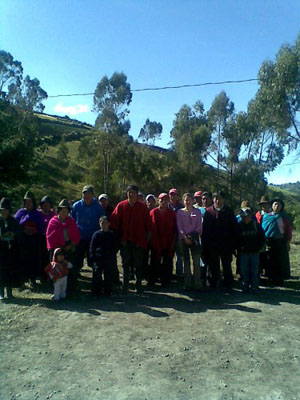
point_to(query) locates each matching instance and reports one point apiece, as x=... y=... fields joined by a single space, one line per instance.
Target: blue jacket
x=87 y=217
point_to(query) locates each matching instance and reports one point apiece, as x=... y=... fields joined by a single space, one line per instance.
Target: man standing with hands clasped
x=131 y=221
x=86 y=213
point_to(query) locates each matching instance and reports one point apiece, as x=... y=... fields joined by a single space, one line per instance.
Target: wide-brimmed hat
x=63 y=204
x=29 y=196
x=46 y=199
x=5 y=204
x=245 y=204
x=264 y=199
x=279 y=201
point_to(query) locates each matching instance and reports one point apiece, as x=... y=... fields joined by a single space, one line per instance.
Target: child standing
x=251 y=240
x=58 y=271
x=103 y=252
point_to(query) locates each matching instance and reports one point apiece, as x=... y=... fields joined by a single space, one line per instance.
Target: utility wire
x=164 y=87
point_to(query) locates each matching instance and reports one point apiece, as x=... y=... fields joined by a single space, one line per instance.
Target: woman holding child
x=62 y=231
x=278 y=231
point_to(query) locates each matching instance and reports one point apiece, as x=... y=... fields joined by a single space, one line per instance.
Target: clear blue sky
x=69 y=45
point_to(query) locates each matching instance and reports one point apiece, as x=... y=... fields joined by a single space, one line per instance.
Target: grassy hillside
x=52 y=128
x=64 y=177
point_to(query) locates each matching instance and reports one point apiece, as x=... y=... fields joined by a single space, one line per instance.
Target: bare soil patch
x=166 y=345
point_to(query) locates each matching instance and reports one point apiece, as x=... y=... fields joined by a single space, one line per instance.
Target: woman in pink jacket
x=62 y=231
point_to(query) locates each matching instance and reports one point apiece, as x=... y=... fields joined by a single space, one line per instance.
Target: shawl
x=23 y=216
x=270 y=225
x=55 y=232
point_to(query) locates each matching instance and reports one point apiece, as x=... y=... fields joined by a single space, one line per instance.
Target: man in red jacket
x=131 y=221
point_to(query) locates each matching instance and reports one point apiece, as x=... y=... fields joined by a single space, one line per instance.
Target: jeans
x=250 y=271
x=195 y=252
x=179 y=263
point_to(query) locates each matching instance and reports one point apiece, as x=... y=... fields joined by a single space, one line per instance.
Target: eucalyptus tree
x=151 y=131
x=112 y=97
x=279 y=93
x=191 y=138
x=25 y=93
x=219 y=114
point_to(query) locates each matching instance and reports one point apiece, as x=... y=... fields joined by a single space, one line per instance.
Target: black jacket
x=219 y=230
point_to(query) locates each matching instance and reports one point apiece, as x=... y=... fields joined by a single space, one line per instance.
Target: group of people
x=40 y=243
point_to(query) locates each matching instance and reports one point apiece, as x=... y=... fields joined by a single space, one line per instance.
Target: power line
x=164 y=87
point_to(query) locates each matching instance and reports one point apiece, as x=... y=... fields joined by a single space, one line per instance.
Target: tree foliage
x=150 y=131
x=279 y=94
x=25 y=93
x=111 y=100
x=18 y=145
x=191 y=137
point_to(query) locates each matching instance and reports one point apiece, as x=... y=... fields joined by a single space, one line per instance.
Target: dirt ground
x=165 y=345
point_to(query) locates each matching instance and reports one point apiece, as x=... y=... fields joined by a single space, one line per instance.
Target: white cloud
x=73 y=110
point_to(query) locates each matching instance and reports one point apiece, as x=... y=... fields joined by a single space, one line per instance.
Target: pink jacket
x=55 y=232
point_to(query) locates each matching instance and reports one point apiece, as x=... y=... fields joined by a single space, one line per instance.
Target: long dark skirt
x=10 y=266
x=279 y=261
x=31 y=253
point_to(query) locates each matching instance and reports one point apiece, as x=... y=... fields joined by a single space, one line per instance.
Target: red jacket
x=131 y=223
x=164 y=229
x=55 y=232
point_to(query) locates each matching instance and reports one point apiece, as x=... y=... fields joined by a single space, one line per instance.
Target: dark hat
x=264 y=199
x=28 y=196
x=45 y=199
x=57 y=251
x=246 y=212
x=88 y=188
x=5 y=204
x=132 y=187
x=278 y=201
x=64 y=204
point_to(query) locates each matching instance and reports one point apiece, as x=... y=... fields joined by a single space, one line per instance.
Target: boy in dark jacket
x=103 y=250
x=251 y=240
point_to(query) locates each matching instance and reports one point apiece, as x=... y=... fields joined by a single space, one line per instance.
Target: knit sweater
x=131 y=223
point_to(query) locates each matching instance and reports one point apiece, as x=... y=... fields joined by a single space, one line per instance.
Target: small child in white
x=58 y=271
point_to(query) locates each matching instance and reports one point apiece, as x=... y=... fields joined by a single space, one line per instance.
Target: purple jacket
x=23 y=216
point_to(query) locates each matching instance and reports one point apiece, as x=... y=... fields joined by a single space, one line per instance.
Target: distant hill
x=291 y=187
x=53 y=127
